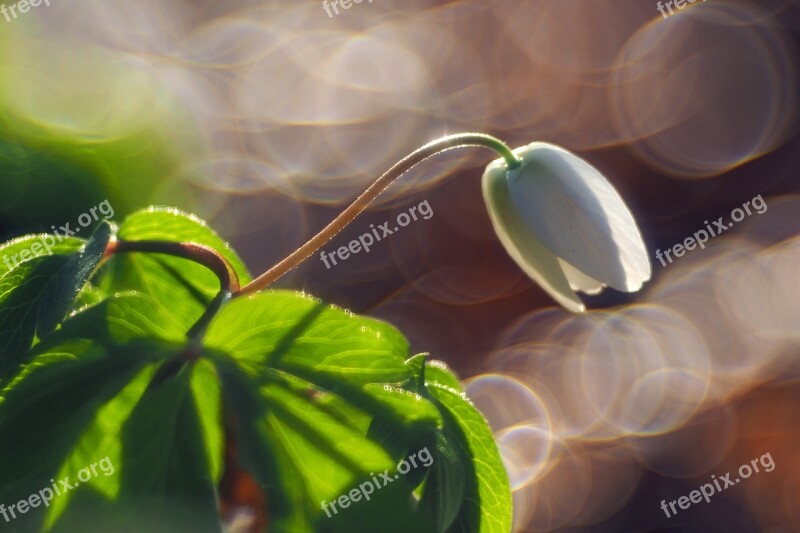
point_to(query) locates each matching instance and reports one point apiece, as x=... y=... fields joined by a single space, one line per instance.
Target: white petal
x=576 y=213
x=580 y=281
x=535 y=260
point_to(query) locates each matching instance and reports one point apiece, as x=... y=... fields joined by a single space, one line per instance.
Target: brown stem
x=366 y=198
x=199 y=253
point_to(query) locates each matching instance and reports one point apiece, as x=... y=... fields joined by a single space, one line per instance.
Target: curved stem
x=366 y=198
x=204 y=255
x=199 y=253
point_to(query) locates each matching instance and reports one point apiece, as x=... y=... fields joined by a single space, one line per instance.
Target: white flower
x=564 y=224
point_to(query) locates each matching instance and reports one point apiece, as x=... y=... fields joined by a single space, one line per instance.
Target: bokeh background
x=266 y=118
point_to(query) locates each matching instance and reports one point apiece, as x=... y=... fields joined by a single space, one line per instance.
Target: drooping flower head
x=564 y=224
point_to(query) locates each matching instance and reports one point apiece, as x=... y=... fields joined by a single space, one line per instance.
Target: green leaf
x=443 y=494
x=53 y=404
x=66 y=362
x=72 y=277
x=36 y=295
x=404 y=407
x=207 y=395
x=306 y=451
x=100 y=444
x=426 y=372
x=90 y=295
x=22 y=293
x=167 y=470
x=416 y=365
x=27 y=247
x=305 y=381
x=150 y=433
x=160 y=476
x=307 y=366
x=124 y=317
x=318 y=403
x=112 y=324
x=437 y=372
x=303 y=337
x=487 y=503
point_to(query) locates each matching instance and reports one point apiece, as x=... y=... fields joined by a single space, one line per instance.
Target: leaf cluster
x=307 y=399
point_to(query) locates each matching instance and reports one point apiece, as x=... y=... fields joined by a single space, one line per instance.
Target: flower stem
x=199 y=253
x=379 y=185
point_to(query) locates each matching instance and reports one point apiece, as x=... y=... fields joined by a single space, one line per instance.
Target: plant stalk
x=368 y=196
x=199 y=253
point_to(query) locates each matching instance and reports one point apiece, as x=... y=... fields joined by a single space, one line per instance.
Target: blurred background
x=267 y=118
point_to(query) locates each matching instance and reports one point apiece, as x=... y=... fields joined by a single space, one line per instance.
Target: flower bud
x=564 y=224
